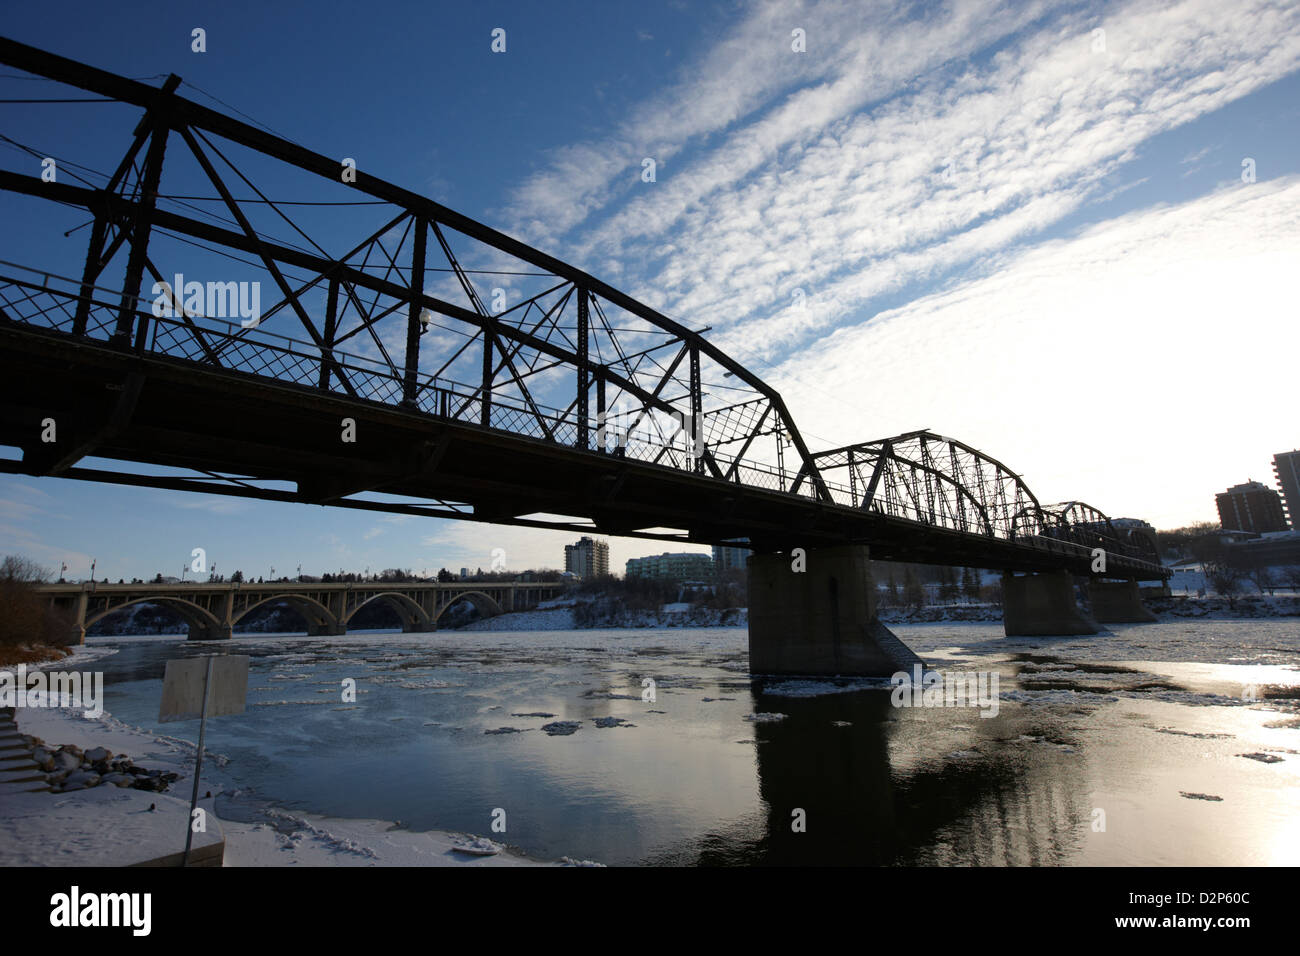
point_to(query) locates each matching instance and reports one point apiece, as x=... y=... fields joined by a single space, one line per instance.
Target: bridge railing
x=228 y=346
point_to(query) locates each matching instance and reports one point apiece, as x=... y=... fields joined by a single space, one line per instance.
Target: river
x=1168 y=743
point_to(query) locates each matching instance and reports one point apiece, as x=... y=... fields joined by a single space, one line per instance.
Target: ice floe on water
x=816 y=688
x=562 y=728
x=766 y=717
x=1262 y=758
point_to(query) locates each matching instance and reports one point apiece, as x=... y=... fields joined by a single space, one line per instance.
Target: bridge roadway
x=212 y=610
x=552 y=408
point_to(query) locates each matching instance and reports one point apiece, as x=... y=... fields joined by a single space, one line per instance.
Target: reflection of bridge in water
x=561 y=403
x=876 y=792
x=212 y=610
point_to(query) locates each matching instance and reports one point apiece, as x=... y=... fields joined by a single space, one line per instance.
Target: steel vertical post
x=409 y=383
x=584 y=382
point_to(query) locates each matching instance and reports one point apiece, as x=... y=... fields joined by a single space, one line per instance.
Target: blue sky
x=1008 y=227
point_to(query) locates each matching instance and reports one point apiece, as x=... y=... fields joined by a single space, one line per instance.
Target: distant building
x=730 y=558
x=1278 y=549
x=681 y=566
x=1286 y=466
x=464 y=573
x=1252 y=506
x=1138 y=533
x=587 y=558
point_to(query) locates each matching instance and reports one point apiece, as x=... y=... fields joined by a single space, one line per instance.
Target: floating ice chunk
x=562 y=728
x=1262 y=758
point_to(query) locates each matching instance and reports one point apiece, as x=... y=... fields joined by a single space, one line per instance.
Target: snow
x=112 y=826
x=816 y=688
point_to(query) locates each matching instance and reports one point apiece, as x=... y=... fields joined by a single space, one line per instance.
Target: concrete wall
x=820 y=620
x=1042 y=605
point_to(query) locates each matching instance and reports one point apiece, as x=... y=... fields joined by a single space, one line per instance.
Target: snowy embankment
x=107 y=825
x=585 y=611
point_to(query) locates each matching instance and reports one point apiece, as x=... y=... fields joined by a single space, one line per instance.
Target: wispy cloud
x=901 y=149
x=1106 y=365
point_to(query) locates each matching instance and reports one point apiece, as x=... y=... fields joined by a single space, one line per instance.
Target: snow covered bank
x=112 y=826
x=585 y=615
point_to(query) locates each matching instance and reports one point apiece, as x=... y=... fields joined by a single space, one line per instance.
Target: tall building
x=729 y=557
x=1286 y=466
x=587 y=558
x=1252 y=506
x=681 y=566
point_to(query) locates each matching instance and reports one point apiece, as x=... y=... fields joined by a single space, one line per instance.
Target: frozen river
x=1169 y=743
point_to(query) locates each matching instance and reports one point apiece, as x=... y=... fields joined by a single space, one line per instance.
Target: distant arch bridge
x=213 y=610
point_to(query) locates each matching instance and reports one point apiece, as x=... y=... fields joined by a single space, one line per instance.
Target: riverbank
x=11 y=655
x=107 y=825
x=574 y=614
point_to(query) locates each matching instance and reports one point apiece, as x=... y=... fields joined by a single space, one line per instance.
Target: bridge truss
x=484 y=379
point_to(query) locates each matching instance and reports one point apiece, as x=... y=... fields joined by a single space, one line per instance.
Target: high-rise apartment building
x=681 y=566
x=587 y=558
x=1252 y=506
x=1286 y=467
x=729 y=558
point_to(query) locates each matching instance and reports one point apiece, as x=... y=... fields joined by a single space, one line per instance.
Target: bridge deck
x=226 y=422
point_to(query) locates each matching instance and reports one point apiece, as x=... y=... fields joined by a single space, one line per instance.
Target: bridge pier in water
x=325 y=629
x=821 y=619
x=1118 y=602
x=1042 y=604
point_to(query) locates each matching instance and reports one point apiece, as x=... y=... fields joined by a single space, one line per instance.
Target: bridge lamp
x=425 y=318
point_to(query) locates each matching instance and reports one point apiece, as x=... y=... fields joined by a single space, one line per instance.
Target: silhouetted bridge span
x=212 y=610
x=441 y=368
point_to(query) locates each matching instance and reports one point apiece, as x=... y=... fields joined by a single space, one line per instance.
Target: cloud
x=211 y=504
x=904 y=150
x=1123 y=366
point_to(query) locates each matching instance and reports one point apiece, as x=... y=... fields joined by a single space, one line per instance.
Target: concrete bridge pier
x=1042 y=605
x=209 y=632
x=1118 y=602
x=325 y=629
x=816 y=615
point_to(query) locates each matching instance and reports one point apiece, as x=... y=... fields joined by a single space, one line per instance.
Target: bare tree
x=1263 y=578
x=1225 y=580
x=17 y=567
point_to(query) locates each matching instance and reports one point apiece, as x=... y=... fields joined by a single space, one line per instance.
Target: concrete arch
x=198 y=618
x=412 y=614
x=483 y=602
x=316 y=614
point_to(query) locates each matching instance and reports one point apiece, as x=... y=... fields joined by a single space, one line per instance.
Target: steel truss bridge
x=425 y=365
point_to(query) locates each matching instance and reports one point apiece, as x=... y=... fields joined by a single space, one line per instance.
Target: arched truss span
x=921 y=476
x=389 y=296
x=1082 y=524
